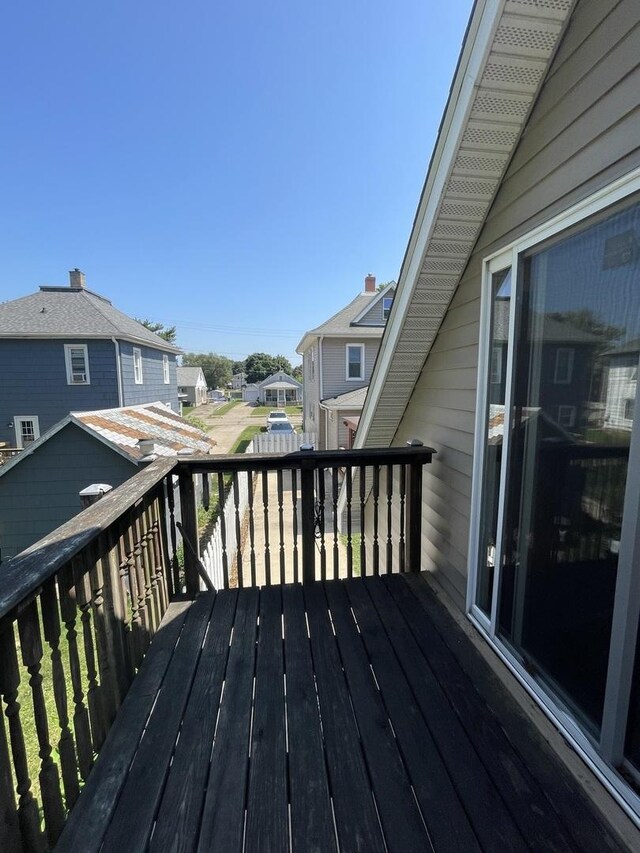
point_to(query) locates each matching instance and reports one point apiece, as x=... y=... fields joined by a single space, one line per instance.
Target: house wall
x=153 y=387
x=334 y=370
x=584 y=132
x=41 y=492
x=374 y=317
x=311 y=387
x=336 y=433
x=33 y=381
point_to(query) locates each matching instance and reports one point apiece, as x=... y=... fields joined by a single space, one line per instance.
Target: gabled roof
x=121 y=429
x=507 y=50
x=78 y=313
x=188 y=376
x=279 y=380
x=390 y=288
x=349 y=400
x=341 y=324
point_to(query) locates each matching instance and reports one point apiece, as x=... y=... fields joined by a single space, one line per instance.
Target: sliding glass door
x=557 y=416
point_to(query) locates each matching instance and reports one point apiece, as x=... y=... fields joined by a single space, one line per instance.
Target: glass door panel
x=494 y=434
x=574 y=388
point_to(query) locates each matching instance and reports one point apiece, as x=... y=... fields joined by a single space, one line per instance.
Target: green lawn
x=355 y=551
x=263 y=411
x=225 y=408
x=244 y=439
x=186 y=410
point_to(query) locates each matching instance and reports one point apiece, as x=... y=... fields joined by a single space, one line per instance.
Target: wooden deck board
x=339 y=716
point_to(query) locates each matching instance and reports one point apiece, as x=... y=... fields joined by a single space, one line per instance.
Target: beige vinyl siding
x=584 y=132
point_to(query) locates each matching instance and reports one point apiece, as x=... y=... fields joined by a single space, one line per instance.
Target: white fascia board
x=373 y=302
x=161 y=345
x=476 y=49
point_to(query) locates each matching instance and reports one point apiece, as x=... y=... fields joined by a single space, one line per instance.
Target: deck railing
x=79 y=608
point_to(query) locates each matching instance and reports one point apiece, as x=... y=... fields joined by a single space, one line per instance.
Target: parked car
x=281 y=427
x=277 y=416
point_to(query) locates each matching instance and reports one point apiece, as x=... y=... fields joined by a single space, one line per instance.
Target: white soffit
x=506 y=54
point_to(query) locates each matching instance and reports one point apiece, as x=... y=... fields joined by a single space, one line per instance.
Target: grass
x=244 y=439
x=263 y=411
x=355 y=551
x=186 y=410
x=225 y=408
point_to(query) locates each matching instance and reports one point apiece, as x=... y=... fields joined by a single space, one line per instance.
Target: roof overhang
x=381 y=295
x=507 y=50
x=164 y=346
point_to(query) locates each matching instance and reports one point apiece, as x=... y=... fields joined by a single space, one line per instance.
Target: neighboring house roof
x=506 y=53
x=67 y=312
x=341 y=325
x=189 y=376
x=553 y=329
x=122 y=429
x=279 y=380
x=350 y=400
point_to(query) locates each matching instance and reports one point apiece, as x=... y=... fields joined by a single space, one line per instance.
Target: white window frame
x=137 y=366
x=17 y=424
x=165 y=369
x=67 y=360
x=558 y=377
x=361 y=376
x=599 y=758
x=387 y=302
x=571 y=420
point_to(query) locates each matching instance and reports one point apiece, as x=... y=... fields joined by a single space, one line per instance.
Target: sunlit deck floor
x=373 y=722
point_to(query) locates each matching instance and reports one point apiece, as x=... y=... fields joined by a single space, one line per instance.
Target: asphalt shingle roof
x=188 y=376
x=65 y=312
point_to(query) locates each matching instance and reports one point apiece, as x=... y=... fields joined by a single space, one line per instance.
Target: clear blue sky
x=233 y=168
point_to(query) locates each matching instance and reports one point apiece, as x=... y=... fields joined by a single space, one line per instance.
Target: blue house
x=67 y=349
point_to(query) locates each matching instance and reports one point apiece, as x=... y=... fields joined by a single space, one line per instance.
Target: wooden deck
x=372 y=725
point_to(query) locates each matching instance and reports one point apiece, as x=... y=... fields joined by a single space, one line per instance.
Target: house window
x=76 y=359
x=355 y=361
x=567 y=416
x=387 y=301
x=553 y=485
x=563 y=373
x=27 y=429
x=165 y=369
x=137 y=366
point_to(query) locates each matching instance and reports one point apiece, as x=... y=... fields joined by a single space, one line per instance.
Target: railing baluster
x=281 y=524
x=66 y=746
x=149 y=544
x=335 y=491
x=402 y=487
x=414 y=512
x=375 y=491
x=389 y=567
x=104 y=645
x=308 y=504
x=265 y=513
x=9 y=822
x=320 y=499
x=9 y=683
x=294 y=523
x=117 y=617
x=223 y=531
x=159 y=551
x=190 y=526
x=363 y=495
x=31 y=651
x=142 y=548
x=349 y=498
x=171 y=502
x=94 y=698
x=238 y=519
x=68 y=611
x=252 y=532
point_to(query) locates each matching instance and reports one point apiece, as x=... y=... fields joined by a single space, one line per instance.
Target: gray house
x=531 y=213
x=192 y=386
x=337 y=359
x=39 y=488
x=67 y=349
x=279 y=389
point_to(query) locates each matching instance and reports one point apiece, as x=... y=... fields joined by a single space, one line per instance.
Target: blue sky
x=235 y=169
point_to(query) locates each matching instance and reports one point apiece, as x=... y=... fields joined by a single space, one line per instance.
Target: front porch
x=325 y=715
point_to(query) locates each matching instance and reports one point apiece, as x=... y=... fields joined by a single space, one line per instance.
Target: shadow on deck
x=352 y=715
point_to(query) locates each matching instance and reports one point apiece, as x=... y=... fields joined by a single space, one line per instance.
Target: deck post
x=307 y=498
x=190 y=524
x=413 y=514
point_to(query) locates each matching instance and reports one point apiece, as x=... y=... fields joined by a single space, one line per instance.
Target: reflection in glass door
x=573 y=407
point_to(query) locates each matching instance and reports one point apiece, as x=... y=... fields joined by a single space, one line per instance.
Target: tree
x=297 y=372
x=237 y=366
x=216 y=368
x=167 y=333
x=259 y=365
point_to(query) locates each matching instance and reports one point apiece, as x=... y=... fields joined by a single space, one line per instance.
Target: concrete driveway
x=226 y=428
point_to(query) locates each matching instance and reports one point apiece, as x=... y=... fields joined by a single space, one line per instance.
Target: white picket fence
x=273 y=442
x=212 y=553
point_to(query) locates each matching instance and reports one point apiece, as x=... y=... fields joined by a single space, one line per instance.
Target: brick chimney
x=77 y=279
x=370 y=283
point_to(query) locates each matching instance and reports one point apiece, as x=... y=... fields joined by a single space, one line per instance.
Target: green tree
x=297 y=372
x=237 y=366
x=216 y=368
x=167 y=333
x=259 y=365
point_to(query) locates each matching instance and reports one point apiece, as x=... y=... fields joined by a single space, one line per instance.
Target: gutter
x=119 y=373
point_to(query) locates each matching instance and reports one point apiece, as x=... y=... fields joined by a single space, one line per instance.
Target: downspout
x=119 y=373
x=320 y=377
